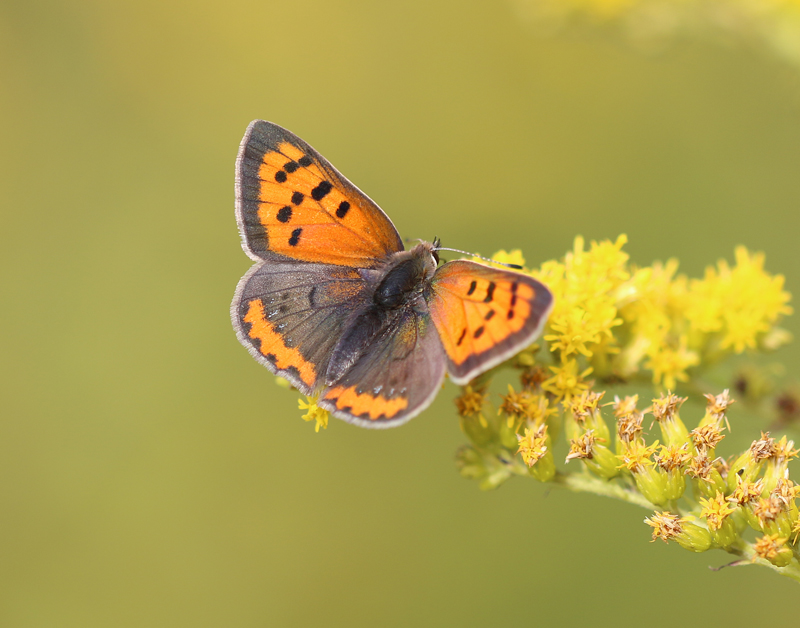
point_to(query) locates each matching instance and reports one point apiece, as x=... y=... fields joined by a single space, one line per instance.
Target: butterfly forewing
x=292 y=203
x=484 y=315
x=290 y=316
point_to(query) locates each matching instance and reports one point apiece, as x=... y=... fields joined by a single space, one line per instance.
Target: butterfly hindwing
x=291 y=203
x=484 y=315
x=395 y=378
x=290 y=316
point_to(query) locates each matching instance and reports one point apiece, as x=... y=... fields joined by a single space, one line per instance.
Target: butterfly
x=339 y=308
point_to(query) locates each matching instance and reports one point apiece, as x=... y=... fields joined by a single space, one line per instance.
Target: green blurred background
x=152 y=474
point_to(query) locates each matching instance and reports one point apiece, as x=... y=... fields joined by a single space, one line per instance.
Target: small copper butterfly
x=335 y=305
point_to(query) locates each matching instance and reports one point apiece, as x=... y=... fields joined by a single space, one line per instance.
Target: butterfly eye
x=435 y=256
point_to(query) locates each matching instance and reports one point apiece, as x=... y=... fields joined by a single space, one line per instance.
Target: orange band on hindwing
x=273 y=347
x=365 y=404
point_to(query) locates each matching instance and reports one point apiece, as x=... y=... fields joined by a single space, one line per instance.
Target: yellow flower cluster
x=612 y=319
x=774 y=22
x=315 y=413
x=739 y=304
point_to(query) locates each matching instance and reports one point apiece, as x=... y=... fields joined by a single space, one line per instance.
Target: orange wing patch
x=273 y=347
x=483 y=314
x=475 y=326
x=292 y=202
x=365 y=405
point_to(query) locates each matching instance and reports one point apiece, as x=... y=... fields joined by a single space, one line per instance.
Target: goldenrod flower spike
x=647 y=327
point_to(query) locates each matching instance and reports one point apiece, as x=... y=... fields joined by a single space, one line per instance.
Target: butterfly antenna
x=486 y=259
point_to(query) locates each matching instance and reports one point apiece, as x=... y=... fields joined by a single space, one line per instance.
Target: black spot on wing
x=478 y=332
x=281 y=176
x=291 y=166
x=490 y=292
x=472 y=287
x=285 y=214
x=297 y=198
x=488 y=315
x=514 y=287
x=322 y=190
x=461 y=337
x=304 y=161
x=343 y=208
x=295 y=237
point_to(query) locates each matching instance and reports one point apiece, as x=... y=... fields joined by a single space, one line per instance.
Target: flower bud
x=688 y=535
x=665 y=410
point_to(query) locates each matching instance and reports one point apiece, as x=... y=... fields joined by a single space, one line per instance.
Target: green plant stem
x=746 y=550
x=584 y=483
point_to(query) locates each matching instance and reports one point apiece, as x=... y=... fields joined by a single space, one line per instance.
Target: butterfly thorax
x=398 y=295
x=405 y=276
